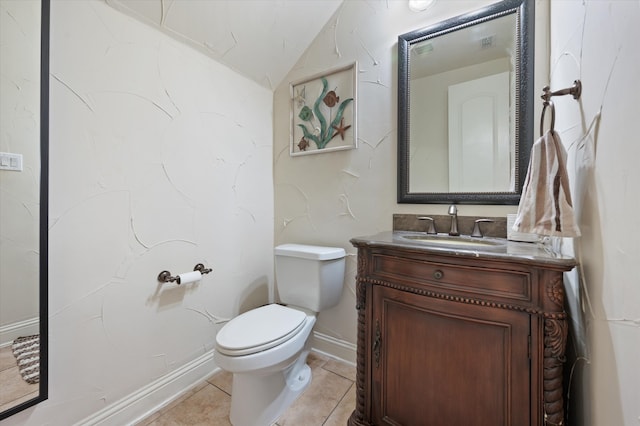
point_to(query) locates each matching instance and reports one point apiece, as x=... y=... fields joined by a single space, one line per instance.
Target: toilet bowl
x=266 y=348
x=266 y=381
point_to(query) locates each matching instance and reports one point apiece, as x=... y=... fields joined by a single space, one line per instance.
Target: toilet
x=266 y=348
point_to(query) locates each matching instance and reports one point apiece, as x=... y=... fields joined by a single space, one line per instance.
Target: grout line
x=338 y=374
x=218 y=387
x=339 y=401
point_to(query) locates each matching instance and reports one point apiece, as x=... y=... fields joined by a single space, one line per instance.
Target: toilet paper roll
x=189 y=277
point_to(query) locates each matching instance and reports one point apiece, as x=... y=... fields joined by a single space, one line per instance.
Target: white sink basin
x=449 y=241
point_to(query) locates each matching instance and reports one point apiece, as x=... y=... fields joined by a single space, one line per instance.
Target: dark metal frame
x=43 y=393
x=525 y=13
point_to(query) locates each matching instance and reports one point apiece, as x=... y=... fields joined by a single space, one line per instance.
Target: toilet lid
x=259 y=329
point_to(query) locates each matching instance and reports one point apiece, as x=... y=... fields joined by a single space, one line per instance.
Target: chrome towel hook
x=575 y=91
x=545 y=105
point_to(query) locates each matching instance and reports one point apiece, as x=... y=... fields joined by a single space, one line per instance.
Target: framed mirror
x=24 y=165
x=465 y=107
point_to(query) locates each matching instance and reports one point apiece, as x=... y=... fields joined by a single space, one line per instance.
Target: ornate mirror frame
x=524 y=10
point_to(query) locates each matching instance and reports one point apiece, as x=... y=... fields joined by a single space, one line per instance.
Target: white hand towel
x=545 y=205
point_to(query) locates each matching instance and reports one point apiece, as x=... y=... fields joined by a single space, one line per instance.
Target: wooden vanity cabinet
x=449 y=339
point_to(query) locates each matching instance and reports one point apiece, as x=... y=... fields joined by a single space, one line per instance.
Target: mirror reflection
x=21 y=202
x=461 y=110
x=464 y=110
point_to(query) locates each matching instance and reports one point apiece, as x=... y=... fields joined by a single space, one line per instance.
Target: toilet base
x=258 y=400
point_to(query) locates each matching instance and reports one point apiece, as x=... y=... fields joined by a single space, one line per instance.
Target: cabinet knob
x=438 y=274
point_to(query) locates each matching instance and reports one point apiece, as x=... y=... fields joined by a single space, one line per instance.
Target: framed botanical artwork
x=323 y=112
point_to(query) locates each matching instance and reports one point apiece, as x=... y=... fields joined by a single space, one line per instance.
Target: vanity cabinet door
x=438 y=362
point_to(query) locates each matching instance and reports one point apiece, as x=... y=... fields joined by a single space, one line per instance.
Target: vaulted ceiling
x=260 y=39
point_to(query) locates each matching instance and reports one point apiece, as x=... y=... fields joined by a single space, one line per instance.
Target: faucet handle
x=476 y=227
x=431 y=229
x=453 y=212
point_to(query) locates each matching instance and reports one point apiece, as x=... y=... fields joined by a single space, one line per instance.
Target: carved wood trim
x=555 y=291
x=357 y=417
x=468 y=300
x=356 y=420
x=360 y=283
x=555 y=339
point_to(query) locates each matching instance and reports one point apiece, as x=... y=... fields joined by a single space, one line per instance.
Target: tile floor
x=13 y=389
x=329 y=400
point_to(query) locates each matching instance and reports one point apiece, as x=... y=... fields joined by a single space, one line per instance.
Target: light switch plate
x=9 y=161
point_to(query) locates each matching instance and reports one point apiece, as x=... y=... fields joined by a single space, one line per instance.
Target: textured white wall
x=331 y=197
x=19 y=191
x=160 y=158
x=596 y=41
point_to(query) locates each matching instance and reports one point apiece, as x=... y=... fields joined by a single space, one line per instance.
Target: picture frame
x=324 y=112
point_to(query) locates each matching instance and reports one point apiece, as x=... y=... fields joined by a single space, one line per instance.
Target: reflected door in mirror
x=481 y=151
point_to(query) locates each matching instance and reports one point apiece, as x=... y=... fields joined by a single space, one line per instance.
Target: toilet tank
x=310 y=277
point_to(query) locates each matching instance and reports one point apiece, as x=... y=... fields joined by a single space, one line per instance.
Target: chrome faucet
x=477 y=232
x=453 y=212
x=431 y=229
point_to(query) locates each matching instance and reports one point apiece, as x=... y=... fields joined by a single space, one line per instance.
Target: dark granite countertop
x=501 y=248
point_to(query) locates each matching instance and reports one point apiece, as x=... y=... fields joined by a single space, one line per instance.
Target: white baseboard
x=156 y=395
x=333 y=347
x=9 y=333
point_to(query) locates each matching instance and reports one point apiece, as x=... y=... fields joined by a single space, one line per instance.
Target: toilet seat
x=259 y=329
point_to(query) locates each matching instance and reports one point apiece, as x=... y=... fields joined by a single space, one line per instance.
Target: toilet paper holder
x=166 y=277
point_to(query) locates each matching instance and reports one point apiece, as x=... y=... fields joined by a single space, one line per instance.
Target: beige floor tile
x=209 y=406
x=13 y=389
x=19 y=400
x=7 y=360
x=329 y=399
x=341 y=368
x=317 y=402
x=13 y=386
x=149 y=419
x=315 y=360
x=179 y=400
x=222 y=380
x=341 y=414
